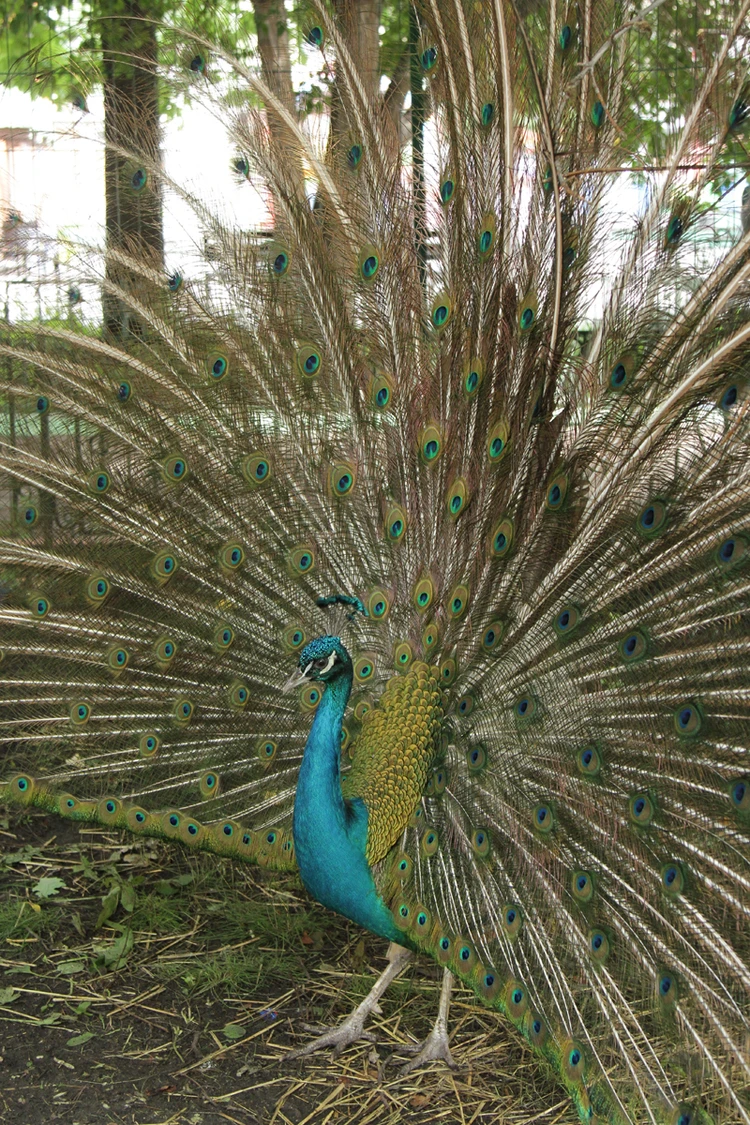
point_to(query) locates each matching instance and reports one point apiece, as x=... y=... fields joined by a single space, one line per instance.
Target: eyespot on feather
x=256 y=469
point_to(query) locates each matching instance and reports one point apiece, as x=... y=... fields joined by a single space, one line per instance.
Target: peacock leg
x=352 y=1029
x=436 y=1045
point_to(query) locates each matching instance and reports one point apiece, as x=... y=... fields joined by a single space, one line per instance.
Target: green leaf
x=82 y=1008
x=233 y=1031
x=8 y=995
x=115 y=955
x=70 y=967
x=110 y=902
x=79 y=1040
x=48 y=886
x=127 y=897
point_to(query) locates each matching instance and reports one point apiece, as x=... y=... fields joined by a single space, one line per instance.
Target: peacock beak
x=296 y=679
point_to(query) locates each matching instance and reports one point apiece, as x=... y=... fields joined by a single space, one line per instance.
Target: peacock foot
x=339 y=1037
x=436 y=1046
x=352 y=1029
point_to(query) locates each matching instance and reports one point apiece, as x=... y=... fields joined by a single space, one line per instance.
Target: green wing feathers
x=393 y=398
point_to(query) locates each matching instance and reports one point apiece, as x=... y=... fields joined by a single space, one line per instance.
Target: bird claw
x=434 y=1049
x=339 y=1037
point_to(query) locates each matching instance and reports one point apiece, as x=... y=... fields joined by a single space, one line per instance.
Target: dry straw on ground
x=144 y=985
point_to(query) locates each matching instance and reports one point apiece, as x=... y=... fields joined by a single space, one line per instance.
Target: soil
x=144 y=985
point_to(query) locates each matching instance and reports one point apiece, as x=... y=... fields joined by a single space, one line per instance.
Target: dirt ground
x=144 y=985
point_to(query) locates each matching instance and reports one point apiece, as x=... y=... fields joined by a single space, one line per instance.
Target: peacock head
x=325 y=659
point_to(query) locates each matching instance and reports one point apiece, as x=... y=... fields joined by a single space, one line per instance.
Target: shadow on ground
x=140 y=984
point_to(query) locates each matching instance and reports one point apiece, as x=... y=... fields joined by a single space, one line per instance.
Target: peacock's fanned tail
x=387 y=400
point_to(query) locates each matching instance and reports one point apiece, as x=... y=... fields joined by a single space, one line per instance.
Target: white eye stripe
x=330 y=664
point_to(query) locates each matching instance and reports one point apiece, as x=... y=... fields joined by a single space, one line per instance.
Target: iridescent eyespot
x=403 y=654
x=381 y=392
x=466 y=705
x=293 y=637
x=256 y=469
x=424 y=593
x=497 y=442
x=165 y=650
x=209 y=784
x=175 y=468
x=652 y=519
x=557 y=491
x=341 y=479
x=217 y=366
x=675 y=228
x=302 y=560
x=688 y=720
x=149 y=745
x=441 y=311
x=30 y=516
x=118 y=659
x=99 y=482
x=395 y=524
x=369 y=263
x=354 y=156
x=97 y=590
x=314 y=35
x=633 y=647
x=430 y=444
x=164 y=566
x=582 y=886
x=447 y=190
x=486 y=236
x=739 y=791
x=429 y=841
x=565 y=37
x=241 y=165
x=138 y=180
x=501 y=539
x=280 y=263
x=492 y=635
x=480 y=842
x=223 y=637
x=544 y=819
x=364 y=668
x=310 y=696
x=512 y=919
x=599 y=945
x=621 y=373
x=430 y=637
x=527 y=313
x=589 y=761
x=40 y=606
x=231 y=556
x=378 y=604
x=428 y=59
x=597 y=114
x=574 y=1062
x=487 y=113
x=266 y=750
x=80 y=713
x=566 y=621
x=458 y=601
x=731 y=551
x=448 y=670
x=183 y=711
x=124 y=391
x=672 y=878
x=42 y=404
x=174 y=282
x=238 y=695
x=197 y=64
x=309 y=360
x=641 y=809
x=476 y=758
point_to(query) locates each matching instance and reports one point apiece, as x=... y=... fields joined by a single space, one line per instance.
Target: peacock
x=406 y=545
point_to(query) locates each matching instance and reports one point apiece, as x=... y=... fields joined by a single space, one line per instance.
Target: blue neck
x=330 y=834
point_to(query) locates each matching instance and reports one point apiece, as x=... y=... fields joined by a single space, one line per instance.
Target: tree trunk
x=132 y=156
